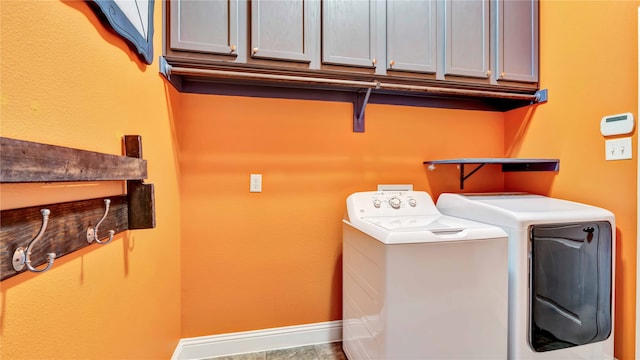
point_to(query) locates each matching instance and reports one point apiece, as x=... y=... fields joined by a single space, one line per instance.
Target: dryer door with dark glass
x=570 y=284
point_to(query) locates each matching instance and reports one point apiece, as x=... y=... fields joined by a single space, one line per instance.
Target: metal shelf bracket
x=359 y=106
x=542 y=96
x=464 y=177
x=508 y=165
x=165 y=68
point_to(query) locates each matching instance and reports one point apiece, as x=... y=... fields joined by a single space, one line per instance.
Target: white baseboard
x=258 y=340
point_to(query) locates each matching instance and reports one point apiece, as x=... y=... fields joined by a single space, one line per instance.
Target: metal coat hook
x=22 y=256
x=92 y=232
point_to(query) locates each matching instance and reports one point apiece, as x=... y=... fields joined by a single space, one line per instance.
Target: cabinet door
x=517 y=35
x=411 y=35
x=349 y=32
x=205 y=26
x=280 y=29
x=466 y=33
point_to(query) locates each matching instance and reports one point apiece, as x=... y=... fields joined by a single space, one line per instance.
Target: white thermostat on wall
x=617 y=124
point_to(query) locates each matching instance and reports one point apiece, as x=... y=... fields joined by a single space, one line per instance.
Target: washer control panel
x=391 y=203
x=394 y=201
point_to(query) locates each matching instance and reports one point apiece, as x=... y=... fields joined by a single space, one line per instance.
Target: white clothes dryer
x=420 y=285
x=561 y=272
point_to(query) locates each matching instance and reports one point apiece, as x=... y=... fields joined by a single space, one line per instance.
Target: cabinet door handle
x=502 y=75
x=488 y=73
x=255 y=50
x=374 y=61
x=233 y=47
x=391 y=63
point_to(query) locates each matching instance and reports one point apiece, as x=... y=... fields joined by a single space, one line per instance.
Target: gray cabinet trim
x=411 y=35
x=206 y=26
x=466 y=34
x=286 y=36
x=517 y=45
x=349 y=32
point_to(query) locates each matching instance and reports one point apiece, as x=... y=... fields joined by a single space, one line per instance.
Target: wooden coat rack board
x=66 y=230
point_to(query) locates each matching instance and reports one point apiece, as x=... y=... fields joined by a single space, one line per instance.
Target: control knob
x=394 y=202
x=412 y=202
x=377 y=203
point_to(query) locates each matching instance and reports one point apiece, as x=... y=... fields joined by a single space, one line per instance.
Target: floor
x=332 y=351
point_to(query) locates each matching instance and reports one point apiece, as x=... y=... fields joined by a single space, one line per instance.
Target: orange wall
x=222 y=259
x=589 y=64
x=263 y=260
x=66 y=80
x=274 y=257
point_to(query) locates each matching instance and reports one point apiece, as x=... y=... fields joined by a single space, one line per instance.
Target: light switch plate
x=255 y=183
x=618 y=149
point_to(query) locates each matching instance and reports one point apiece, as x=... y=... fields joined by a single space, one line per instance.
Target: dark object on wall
x=571 y=284
x=132 y=20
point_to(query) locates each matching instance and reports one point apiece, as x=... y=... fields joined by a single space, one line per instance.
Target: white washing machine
x=420 y=285
x=561 y=272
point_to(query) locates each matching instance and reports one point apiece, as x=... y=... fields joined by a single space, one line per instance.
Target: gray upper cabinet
x=281 y=29
x=205 y=26
x=412 y=35
x=349 y=32
x=517 y=40
x=466 y=38
x=484 y=44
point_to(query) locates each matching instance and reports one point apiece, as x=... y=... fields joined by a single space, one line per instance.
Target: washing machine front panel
x=420 y=285
x=571 y=285
x=445 y=300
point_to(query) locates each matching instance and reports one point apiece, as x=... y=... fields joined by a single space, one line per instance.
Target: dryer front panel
x=571 y=284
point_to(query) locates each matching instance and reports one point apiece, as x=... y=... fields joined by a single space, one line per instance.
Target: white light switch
x=618 y=149
x=255 y=184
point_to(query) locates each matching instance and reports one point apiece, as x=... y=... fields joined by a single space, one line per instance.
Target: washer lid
x=436 y=223
x=394 y=230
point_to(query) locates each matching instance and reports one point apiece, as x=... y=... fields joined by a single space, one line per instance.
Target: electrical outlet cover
x=255 y=183
x=618 y=149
